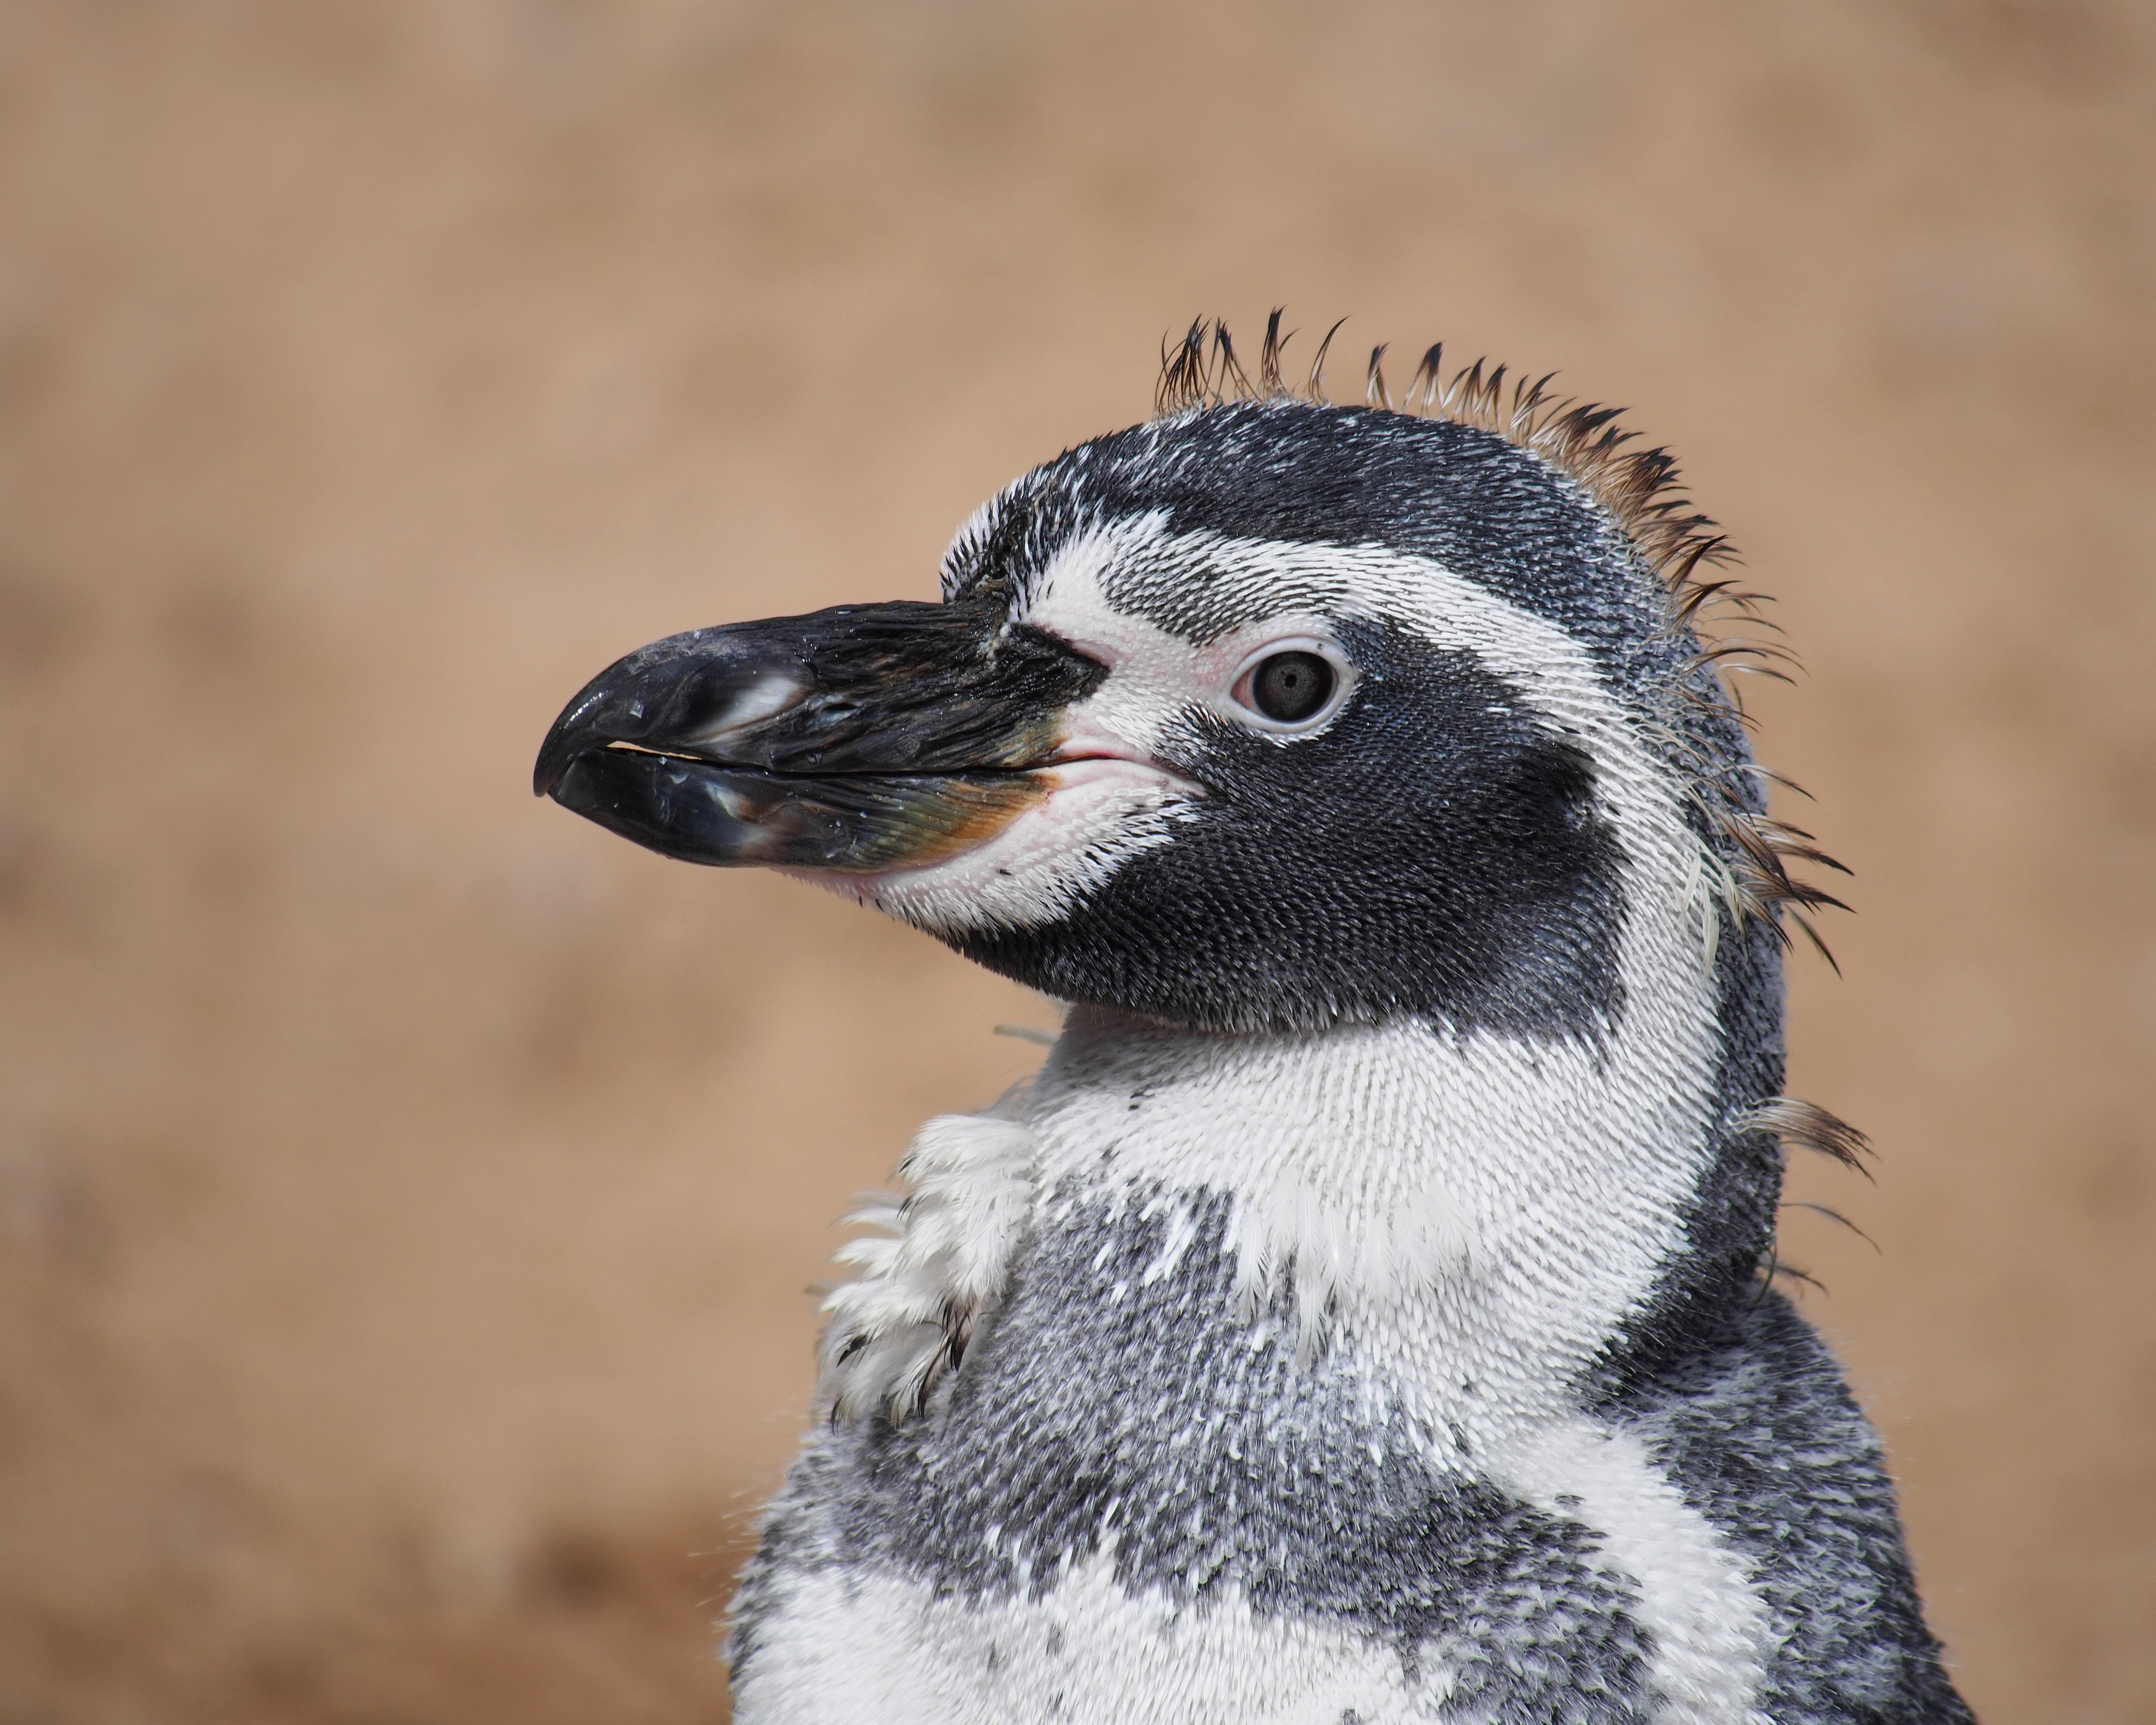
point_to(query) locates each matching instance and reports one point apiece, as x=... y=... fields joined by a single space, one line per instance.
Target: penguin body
x=1361 y=1316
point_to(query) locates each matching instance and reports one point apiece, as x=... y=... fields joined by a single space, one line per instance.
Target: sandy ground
x=408 y=1192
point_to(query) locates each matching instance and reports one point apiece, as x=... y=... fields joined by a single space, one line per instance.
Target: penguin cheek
x=1033 y=866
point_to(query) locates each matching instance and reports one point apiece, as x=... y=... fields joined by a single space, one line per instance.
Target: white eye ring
x=1242 y=706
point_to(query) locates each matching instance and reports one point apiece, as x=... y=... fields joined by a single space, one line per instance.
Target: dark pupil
x=1291 y=686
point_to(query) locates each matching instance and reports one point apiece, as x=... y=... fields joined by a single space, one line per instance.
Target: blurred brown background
x=408 y=1192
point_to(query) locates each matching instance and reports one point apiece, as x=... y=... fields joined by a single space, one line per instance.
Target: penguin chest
x=1138 y=1505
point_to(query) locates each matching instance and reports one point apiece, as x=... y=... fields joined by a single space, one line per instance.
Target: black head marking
x=1435 y=852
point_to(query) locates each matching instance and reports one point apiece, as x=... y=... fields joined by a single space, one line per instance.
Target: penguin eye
x=1287 y=687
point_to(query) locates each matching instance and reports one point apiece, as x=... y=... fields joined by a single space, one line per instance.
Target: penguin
x=1367 y=1311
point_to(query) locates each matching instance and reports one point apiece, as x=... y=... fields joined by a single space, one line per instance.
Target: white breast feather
x=938 y=1263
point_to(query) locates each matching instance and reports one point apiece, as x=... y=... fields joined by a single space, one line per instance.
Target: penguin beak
x=858 y=740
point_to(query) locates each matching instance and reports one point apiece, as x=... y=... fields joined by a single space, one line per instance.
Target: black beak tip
x=551 y=766
x=580 y=726
x=561 y=746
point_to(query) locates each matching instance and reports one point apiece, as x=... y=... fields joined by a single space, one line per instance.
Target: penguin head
x=1266 y=715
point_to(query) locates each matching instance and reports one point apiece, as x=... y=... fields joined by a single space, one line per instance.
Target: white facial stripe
x=1270 y=579
x=1151 y=673
x=1039 y=866
x=1155 y=678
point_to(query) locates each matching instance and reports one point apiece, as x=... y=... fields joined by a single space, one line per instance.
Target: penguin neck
x=1470 y=1219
